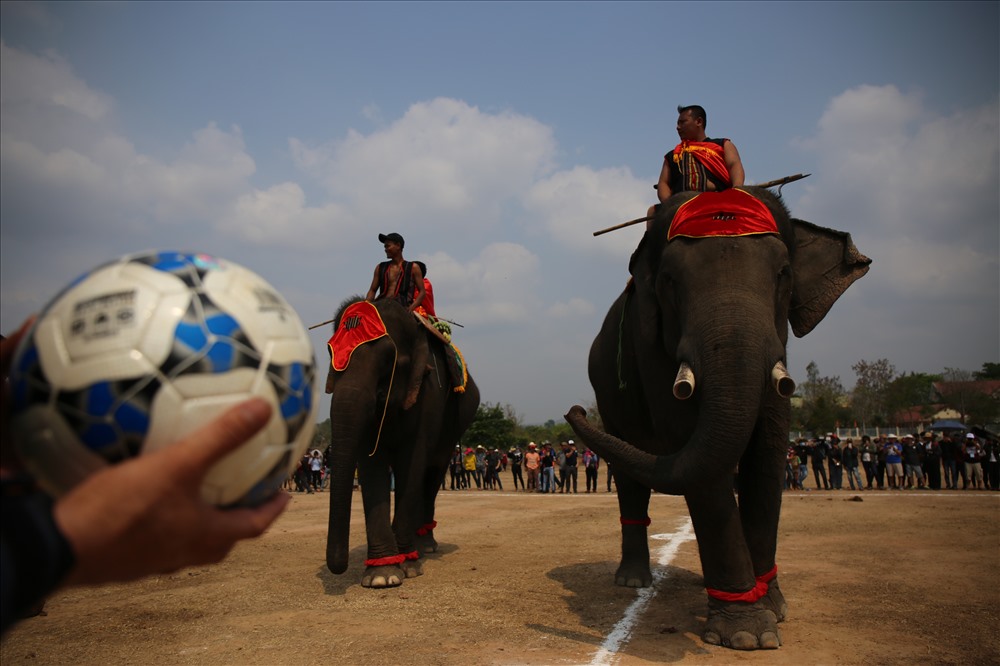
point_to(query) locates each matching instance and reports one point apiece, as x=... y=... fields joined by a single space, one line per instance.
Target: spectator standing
x=882 y=453
x=590 y=464
x=456 y=469
x=469 y=464
x=561 y=464
x=481 y=466
x=572 y=467
x=869 y=454
x=991 y=455
x=548 y=469
x=819 y=463
x=493 y=463
x=912 y=469
x=932 y=461
x=532 y=463
x=835 y=457
x=791 y=465
x=516 y=459
x=607 y=470
x=803 y=451
x=316 y=470
x=850 y=460
x=894 y=464
x=948 y=450
x=972 y=453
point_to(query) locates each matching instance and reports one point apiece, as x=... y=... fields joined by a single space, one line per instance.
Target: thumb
x=199 y=450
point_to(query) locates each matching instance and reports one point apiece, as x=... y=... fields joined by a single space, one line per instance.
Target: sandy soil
x=897 y=578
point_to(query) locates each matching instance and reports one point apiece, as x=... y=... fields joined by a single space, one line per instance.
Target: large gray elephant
x=690 y=380
x=395 y=409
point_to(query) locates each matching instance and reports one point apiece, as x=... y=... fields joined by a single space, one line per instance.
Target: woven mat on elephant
x=731 y=212
x=458 y=374
x=359 y=324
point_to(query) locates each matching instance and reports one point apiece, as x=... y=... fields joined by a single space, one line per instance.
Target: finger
x=238 y=524
x=199 y=450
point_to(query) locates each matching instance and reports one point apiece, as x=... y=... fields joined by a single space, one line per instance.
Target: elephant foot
x=774 y=601
x=634 y=574
x=426 y=543
x=741 y=626
x=412 y=568
x=383 y=576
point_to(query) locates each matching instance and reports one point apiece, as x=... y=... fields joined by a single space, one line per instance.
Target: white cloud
x=918 y=193
x=29 y=83
x=573 y=204
x=497 y=287
x=444 y=163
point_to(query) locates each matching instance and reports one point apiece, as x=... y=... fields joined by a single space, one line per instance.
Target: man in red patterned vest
x=397 y=278
x=697 y=163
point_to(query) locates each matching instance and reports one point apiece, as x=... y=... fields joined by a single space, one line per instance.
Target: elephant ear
x=418 y=368
x=825 y=263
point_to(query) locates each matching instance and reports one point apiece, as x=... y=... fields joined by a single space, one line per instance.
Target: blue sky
x=496 y=137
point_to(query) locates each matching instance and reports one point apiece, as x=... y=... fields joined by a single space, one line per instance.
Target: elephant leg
x=633 y=503
x=760 y=494
x=426 y=543
x=381 y=566
x=737 y=617
x=409 y=499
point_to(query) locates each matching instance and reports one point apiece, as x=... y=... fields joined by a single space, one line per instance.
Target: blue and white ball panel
x=268 y=317
x=81 y=336
x=191 y=401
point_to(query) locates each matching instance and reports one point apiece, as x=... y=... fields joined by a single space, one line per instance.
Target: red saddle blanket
x=359 y=324
x=731 y=212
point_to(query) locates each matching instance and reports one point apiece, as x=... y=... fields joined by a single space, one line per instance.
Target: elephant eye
x=785 y=271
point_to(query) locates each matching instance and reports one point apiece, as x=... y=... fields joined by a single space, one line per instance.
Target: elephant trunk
x=731 y=385
x=346 y=430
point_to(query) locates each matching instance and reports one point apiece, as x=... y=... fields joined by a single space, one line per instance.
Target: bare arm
x=663 y=185
x=418 y=282
x=374 y=286
x=733 y=163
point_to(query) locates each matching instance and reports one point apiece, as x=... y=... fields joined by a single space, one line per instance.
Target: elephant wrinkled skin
x=713 y=312
x=392 y=408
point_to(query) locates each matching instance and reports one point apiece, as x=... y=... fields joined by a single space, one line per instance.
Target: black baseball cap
x=393 y=237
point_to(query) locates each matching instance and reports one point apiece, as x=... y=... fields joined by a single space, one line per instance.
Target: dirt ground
x=897 y=578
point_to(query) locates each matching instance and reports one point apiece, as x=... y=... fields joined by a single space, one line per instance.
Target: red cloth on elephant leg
x=769 y=576
x=359 y=324
x=750 y=596
x=731 y=212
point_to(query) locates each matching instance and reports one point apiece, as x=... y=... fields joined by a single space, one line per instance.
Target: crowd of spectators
x=935 y=461
x=542 y=469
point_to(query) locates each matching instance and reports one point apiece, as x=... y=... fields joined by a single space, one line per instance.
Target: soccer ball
x=140 y=352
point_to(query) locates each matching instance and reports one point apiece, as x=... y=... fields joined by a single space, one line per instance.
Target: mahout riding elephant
x=689 y=375
x=395 y=409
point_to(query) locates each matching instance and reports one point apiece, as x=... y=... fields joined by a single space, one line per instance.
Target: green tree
x=870 y=396
x=989 y=371
x=321 y=437
x=491 y=428
x=823 y=402
x=914 y=390
x=960 y=392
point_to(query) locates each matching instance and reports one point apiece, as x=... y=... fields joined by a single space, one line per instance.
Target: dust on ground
x=896 y=578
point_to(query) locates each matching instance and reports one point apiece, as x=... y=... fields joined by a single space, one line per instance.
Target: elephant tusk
x=783 y=382
x=684 y=383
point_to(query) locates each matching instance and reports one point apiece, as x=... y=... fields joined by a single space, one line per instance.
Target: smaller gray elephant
x=396 y=409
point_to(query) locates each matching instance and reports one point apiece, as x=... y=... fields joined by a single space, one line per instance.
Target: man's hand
x=146 y=516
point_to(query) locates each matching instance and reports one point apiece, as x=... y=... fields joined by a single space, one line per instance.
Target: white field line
x=608 y=652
